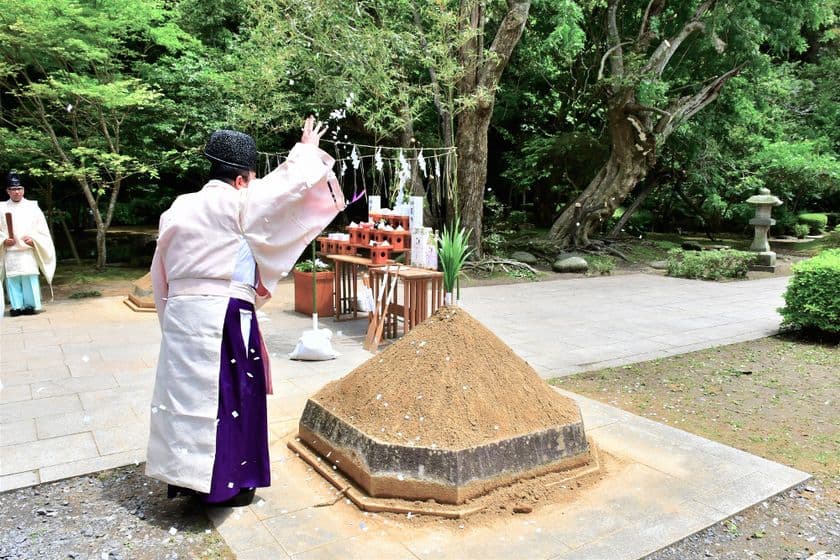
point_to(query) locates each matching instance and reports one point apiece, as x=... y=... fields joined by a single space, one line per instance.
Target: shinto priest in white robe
x=202 y=237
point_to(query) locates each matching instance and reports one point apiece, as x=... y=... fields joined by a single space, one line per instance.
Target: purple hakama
x=241 y=461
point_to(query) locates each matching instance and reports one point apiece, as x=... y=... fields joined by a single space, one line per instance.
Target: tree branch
x=606 y=55
x=639 y=108
x=689 y=105
x=617 y=58
x=666 y=49
x=507 y=36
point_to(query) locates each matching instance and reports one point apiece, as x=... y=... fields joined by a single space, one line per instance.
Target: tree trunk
x=640 y=197
x=632 y=155
x=71 y=242
x=101 y=256
x=471 y=141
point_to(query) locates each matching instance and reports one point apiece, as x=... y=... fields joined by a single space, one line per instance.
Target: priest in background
x=27 y=248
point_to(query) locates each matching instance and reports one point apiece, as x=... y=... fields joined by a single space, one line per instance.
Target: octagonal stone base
x=389 y=470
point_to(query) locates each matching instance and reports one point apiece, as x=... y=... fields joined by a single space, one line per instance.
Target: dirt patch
x=776 y=397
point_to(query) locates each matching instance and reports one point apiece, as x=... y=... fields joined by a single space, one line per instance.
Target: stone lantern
x=763 y=202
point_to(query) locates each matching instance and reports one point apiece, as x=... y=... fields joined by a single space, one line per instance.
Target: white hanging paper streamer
x=377 y=158
x=354 y=158
x=421 y=162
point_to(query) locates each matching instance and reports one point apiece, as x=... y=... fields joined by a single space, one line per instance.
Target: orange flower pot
x=323 y=288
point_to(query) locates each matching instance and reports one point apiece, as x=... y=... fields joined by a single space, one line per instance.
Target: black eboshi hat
x=232 y=148
x=13 y=179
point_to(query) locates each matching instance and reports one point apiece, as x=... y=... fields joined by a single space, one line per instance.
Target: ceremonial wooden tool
x=9 y=225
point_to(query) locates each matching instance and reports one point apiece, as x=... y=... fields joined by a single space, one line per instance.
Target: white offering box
x=415 y=213
x=423 y=248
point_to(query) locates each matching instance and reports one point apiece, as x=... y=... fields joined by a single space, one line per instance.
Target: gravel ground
x=798 y=524
x=122 y=515
x=114 y=515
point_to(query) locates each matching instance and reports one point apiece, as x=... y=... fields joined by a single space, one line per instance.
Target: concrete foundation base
x=452 y=476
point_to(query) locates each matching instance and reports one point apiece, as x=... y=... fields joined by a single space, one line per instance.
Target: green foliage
x=600 y=264
x=310 y=265
x=85 y=294
x=811 y=297
x=801 y=230
x=815 y=221
x=709 y=265
x=452 y=253
x=832 y=240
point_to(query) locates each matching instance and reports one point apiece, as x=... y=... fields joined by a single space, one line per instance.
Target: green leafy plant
x=453 y=253
x=85 y=294
x=801 y=230
x=709 y=265
x=811 y=297
x=313 y=265
x=601 y=265
x=815 y=221
x=832 y=240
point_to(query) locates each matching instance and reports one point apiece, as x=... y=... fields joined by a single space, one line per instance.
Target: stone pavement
x=77 y=383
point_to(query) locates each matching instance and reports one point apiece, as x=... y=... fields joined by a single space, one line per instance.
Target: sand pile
x=450 y=383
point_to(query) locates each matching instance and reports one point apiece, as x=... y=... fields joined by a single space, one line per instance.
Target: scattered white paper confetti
x=249 y=374
x=154 y=410
x=409 y=515
x=378 y=397
x=400 y=477
x=261 y=503
x=243 y=463
x=172 y=530
x=85 y=359
x=253 y=351
x=234 y=414
x=162 y=406
x=230 y=484
x=233 y=360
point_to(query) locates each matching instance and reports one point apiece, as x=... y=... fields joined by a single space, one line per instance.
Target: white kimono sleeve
x=287 y=209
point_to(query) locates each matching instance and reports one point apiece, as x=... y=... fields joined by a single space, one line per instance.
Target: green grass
x=73 y=274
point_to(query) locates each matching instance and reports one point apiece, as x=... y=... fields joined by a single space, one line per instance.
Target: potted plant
x=452 y=255
x=314 y=287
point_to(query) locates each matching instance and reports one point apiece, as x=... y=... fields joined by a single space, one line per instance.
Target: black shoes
x=24 y=311
x=244 y=498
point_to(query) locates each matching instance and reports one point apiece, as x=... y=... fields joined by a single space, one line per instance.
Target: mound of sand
x=450 y=383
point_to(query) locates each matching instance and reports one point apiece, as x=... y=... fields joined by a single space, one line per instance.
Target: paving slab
x=87 y=366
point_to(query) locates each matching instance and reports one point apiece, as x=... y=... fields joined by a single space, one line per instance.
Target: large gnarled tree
x=715 y=38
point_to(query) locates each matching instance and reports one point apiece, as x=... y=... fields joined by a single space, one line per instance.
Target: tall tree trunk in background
x=482 y=71
x=636 y=131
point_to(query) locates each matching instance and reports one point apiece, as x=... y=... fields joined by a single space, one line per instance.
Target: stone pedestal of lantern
x=763 y=202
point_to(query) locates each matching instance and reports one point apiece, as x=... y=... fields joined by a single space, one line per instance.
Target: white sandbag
x=314 y=345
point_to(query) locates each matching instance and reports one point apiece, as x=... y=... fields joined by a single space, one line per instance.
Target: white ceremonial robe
x=20 y=259
x=199 y=242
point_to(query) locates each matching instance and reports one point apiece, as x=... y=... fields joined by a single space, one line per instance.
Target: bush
x=817 y=222
x=709 y=265
x=801 y=230
x=832 y=240
x=599 y=264
x=811 y=299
